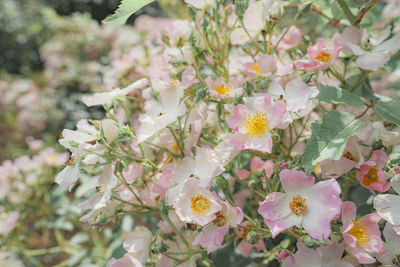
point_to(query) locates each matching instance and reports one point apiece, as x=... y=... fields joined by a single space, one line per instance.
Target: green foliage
x=329 y=137
x=336 y=95
x=389 y=111
x=125 y=10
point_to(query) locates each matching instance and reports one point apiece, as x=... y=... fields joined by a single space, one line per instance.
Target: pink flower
x=312 y=206
x=283 y=255
x=126 y=261
x=329 y=256
x=196 y=204
x=320 y=56
x=221 y=90
x=253 y=121
x=371 y=175
x=372 y=53
x=264 y=64
x=212 y=235
x=200 y=4
x=137 y=243
x=388 y=205
x=361 y=236
x=244 y=247
x=351 y=158
x=8 y=221
x=292 y=38
x=257 y=164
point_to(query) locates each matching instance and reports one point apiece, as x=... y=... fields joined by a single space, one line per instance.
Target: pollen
x=348 y=155
x=298 y=205
x=359 y=231
x=174 y=147
x=371 y=177
x=257 y=125
x=323 y=57
x=174 y=82
x=199 y=204
x=220 y=219
x=256 y=68
x=223 y=89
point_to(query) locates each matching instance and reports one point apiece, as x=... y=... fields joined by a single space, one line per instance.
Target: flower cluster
x=229 y=130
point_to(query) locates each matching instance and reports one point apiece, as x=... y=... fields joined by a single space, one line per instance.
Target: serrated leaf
x=329 y=137
x=125 y=10
x=336 y=95
x=389 y=111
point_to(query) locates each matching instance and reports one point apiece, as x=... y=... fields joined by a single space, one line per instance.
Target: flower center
x=199 y=204
x=348 y=155
x=246 y=231
x=257 y=125
x=51 y=159
x=323 y=57
x=359 y=231
x=223 y=89
x=298 y=205
x=220 y=219
x=174 y=82
x=371 y=177
x=255 y=67
x=175 y=148
x=71 y=161
x=100 y=190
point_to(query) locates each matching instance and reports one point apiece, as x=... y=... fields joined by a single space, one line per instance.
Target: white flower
x=372 y=53
x=137 y=243
x=392 y=247
x=388 y=205
x=100 y=202
x=107 y=97
x=196 y=204
x=297 y=95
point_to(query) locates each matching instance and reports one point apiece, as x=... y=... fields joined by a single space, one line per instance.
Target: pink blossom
x=243 y=246
x=361 y=236
x=372 y=53
x=371 y=175
x=221 y=90
x=327 y=256
x=265 y=64
x=257 y=164
x=196 y=204
x=8 y=221
x=137 y=243
x=351 y=158
x=292 y=38
x=320 y=56
x=212 y=235
x=305 y=204
x=126 y=261
x=253 y=121
x=388 y=205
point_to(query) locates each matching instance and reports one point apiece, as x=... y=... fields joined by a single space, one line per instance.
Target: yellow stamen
x=223 y=89
x=51 y=159
x=298 y=205
x=199 y=204
x=175 y=147
x=348 y=155
x=257 y=125
x=174 y=82
x=323 y=57
x=359 y=231
x=371 y=177
x=256 y=68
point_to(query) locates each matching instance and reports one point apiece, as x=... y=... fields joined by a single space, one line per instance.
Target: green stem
x=346 y=10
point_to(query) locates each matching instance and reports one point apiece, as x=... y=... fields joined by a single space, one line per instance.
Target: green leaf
x=336 y=95
x=125 y=10
x=389 y=111
x=329 y=137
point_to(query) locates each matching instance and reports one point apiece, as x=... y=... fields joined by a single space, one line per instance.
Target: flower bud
x=159 y=248
x=252 y=237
